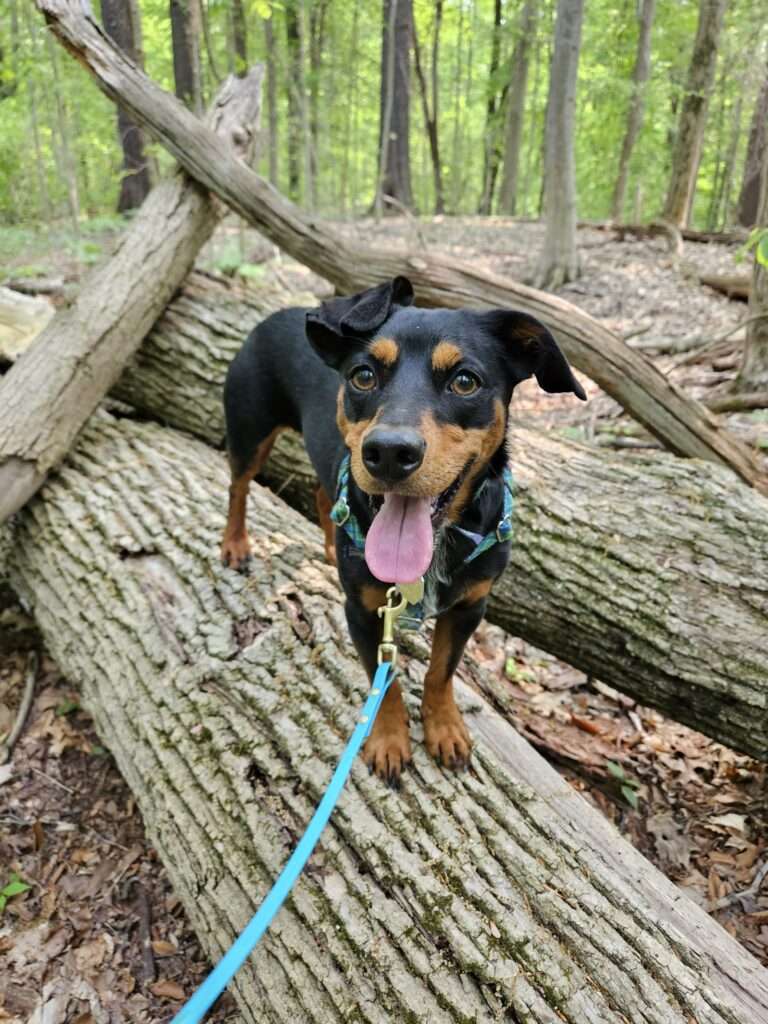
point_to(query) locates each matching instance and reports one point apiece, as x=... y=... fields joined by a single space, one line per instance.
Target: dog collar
x=342 y=515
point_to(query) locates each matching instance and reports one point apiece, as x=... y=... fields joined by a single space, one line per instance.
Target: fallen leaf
x=163 y=948
x=167 y=989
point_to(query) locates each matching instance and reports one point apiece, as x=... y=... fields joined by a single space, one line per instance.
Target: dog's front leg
x=387 y=750
x=445 y=734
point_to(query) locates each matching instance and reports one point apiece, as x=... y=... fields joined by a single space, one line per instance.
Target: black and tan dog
x=404 y=416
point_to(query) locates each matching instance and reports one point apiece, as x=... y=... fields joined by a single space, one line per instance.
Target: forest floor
x=99 y=934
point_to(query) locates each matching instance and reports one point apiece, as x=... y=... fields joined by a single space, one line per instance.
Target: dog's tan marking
x=445 y=355
x=372 y=596
x=386 y=350
x=387 y=750
x=476 y=591
x=236 y=545
x=324 y=505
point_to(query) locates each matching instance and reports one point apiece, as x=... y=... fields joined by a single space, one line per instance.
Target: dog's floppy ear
x=530 y=350
x=337 y=324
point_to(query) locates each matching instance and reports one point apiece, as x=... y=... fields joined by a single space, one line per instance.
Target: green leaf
x=616 y=770
x=66 y=707
x=631 y=796
x=15 y=887
x=250 y=270
x=761 y=252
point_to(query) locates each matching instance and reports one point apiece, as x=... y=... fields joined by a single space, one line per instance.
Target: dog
x=404 y=416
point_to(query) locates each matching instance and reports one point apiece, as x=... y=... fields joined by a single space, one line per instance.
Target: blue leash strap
x=206 y=995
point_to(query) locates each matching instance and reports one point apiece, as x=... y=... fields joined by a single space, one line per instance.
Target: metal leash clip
x=389 y=612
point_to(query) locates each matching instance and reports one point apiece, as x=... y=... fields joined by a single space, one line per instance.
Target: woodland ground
x=100 y=921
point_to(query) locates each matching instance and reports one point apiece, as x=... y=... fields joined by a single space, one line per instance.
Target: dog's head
x=423 y=400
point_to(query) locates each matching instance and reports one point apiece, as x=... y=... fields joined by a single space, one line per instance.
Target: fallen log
x=647 y=572
x=679 y=422
x=735 y=286
x=657 y=228
x=50 y=392
x=498 y=894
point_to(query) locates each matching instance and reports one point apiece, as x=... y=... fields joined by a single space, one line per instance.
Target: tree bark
x=491 y=153
x=749 y=197
x=271 y=90
x=648 y=573
x=239 y=38
x=394 y=131
x=679 y=422
x=753 y=373
x=119 y=21
x=559 y=261
x=185 y=34
x=431 y=122
x=516 y=107
x=693 y=113
x=498 y=894
x=640 y=74
x=48 y=395
x=295 y=97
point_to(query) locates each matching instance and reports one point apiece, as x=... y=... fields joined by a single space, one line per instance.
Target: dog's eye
x=363 y=378
x=464 y=383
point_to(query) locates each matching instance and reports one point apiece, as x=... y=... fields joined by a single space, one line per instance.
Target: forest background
x=60 y=156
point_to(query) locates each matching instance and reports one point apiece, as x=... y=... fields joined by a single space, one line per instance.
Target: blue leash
x=201 y=1001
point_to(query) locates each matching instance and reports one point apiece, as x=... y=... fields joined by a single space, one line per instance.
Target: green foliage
x=628 y=786
x=14 y=887
x=60 y=158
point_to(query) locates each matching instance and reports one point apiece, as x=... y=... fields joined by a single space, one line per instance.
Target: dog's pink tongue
x=398 y=548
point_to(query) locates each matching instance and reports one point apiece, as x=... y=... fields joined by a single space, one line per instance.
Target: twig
x=738 y=403
x=54 y=782
x=745 y=894
x=148 y=972
x=635 y=332
x=7 y=745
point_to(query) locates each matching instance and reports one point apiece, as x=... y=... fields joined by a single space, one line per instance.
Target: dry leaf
x=163 y=948
x=167 y=989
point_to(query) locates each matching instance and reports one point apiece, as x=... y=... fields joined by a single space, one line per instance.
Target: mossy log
x=646 y=571
x=494 y=895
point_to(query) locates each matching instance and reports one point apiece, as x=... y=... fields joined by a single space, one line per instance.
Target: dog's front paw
x=387 y=751
x=446 y=736
x=236 y=552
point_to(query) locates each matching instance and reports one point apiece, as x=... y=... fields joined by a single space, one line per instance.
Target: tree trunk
x=753 y=374
x=680 y=423
x=516 y=107
x=431 y=122
x=185 y=35
x=490 y=148
x=293 y=43
x=559 y=260
x=640 y=74
x=272 y=121
x=239 y=38
x=47 y=396
x=631 y=568
x=394 y=132
x=756 y=154
x=119 y=23
x=693 y=113
x=496 y=894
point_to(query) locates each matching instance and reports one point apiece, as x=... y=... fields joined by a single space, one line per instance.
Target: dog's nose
x=391 y=454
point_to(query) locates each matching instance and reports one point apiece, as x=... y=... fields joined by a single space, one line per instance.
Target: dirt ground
x=97 y=934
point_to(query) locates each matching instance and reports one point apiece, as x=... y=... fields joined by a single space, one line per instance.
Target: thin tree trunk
x=47 y=396
x=559 y=261
x=491 y=153
x=272 y=85
x=513 y=135
x=431 y=116
x=639 y=582
x=40 y=173
x=317 y=12
x=756 y=148
x=753 y=375
x=293 y=41
x=395 y=154
x=119 y=21
x=682 y=424
x=723 y=213
x=640 y=74
x=693 y=113
x=65 y=159
x=185 y=33
x=239 y=38
x=496 y=894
